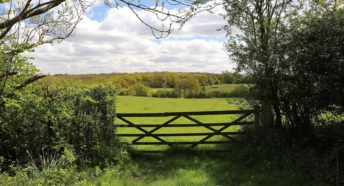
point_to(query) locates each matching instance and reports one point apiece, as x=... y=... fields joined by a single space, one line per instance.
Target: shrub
x=239 y=91
x=139 y=90
x=218 y=94
x=47 y=118
x=164 y=94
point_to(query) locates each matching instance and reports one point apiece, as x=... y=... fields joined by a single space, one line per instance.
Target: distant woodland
x=166 y=84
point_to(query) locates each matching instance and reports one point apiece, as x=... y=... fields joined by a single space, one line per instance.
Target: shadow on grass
x=182 y=166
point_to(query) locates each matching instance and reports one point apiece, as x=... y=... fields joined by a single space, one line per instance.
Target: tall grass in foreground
x=175 y=168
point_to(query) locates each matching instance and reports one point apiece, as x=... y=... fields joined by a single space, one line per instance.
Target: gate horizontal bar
x=164 y=114
x=186 y=151
x=180 y=143
x=185 y=125
x=180 y=134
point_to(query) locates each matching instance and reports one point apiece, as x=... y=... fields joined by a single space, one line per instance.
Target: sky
x=111 y=40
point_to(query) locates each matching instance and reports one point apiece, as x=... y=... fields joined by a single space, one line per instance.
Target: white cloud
x=120 y=43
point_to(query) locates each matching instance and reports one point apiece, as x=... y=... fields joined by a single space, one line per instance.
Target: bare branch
x=37 y=10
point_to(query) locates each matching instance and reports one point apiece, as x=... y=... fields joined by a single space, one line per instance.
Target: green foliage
x=48 y=117
x=257 y=48
x=228 y=91
x=240 y=91
x=187 y=88
x=15 y=70
x=294 y=55
x=51 y=176
x=234 y=78
x=138 y=89
x=313 y=83
x=165 y=93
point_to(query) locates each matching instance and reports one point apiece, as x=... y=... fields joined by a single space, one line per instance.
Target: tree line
x=168 y=84
x=156 y=79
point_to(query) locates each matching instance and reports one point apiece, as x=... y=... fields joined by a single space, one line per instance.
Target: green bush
x=137 y=89
x=164 y=94
x=239 y=91
x=218 y=94
x=47 y=118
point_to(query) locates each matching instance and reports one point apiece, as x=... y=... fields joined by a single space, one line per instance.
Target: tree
x=257 y=48
x=187 y=87
x=287 y=49
x=25 y=25
x=314 y=72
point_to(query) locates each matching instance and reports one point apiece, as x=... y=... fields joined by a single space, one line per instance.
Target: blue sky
x=113 y=40
x=98 y=12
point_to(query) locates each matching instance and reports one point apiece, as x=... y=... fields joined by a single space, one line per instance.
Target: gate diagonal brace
x=143 y=130
x=156 y=129
x=204 y=125
x=220 y=130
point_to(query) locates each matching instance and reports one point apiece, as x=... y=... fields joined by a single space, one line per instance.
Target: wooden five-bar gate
x=241 y=120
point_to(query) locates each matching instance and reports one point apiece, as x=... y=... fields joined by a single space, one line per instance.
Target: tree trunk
x=278 y=122
x=267 y=117
x=276 y=106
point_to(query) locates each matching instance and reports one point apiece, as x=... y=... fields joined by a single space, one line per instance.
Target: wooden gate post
x=256 y=116
x=266 y=114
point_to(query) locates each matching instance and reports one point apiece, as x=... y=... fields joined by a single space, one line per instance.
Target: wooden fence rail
x=242 y=114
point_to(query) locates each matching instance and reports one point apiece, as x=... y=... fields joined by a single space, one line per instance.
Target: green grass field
x=130 y=104
x=126 y=104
